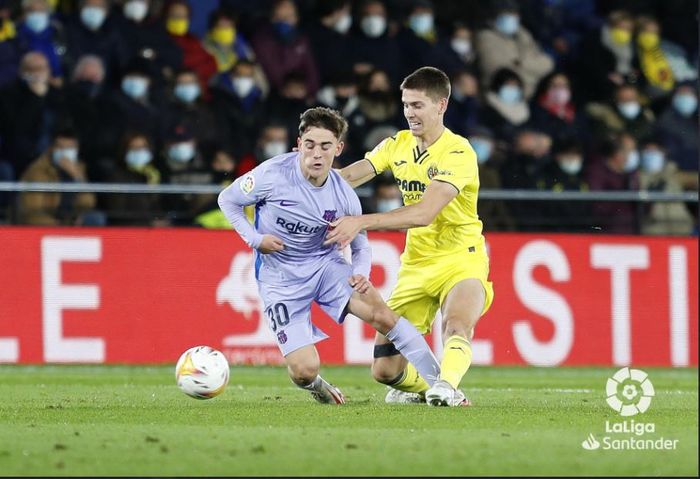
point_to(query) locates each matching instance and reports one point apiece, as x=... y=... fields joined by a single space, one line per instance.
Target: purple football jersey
x=288 y=206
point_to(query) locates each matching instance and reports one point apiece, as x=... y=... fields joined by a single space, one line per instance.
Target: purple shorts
x=288 y=306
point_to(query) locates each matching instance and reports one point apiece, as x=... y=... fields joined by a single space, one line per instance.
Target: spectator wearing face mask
x=223 y=167
x=456 y=51
x=465 y=105
x=92 y=30
x=272 y=141
x=60 y=163
x=618 y=171
x=565 y=173
x=184 y=164
x=225 y=42
x=657 y=172
x=418 y=38
x=132 y=105
x=145 y=38
x=89 y=105
x=194 y=57
x=507 y=44
x=330 y=39
x=282 y=48
x=505 y=107
x=609 y=58
x=374 y=41
x=238 y=107
x=41 y=32
x=555 y=111
x=678 y=130
x=135 y=165
x=495 y=213
x=187 y=107
x=624 y=113
x=387 y=196
x=28 y=110
x=287 y=105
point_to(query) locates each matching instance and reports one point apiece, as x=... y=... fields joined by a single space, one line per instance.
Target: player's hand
x=270 y=244
x=359 y=283
x=342 y=231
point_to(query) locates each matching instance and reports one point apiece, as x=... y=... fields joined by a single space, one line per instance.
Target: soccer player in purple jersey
x=296 y=196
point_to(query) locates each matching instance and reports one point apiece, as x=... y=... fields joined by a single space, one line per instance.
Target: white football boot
x=328 y=394
x=443 y=394
x=394 y=396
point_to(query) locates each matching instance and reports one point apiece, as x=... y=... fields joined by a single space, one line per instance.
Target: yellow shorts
x=422 y=287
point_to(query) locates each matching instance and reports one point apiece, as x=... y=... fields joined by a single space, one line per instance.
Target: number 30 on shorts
x=278 y=314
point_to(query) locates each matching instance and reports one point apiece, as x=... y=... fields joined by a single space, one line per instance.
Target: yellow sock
x=456 y=359
x=411 y=381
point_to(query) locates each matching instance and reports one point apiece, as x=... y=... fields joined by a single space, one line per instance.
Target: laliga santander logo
x=629 y=391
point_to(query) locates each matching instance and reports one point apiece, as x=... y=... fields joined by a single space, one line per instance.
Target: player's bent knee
x=385 y=372
x=303 y=374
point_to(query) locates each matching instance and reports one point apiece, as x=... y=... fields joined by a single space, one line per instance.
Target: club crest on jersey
x=329 y=215
x=432 y=171
x=247 y=184
x=281 y=337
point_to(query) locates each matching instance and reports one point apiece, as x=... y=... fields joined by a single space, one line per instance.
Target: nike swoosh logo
x=288 y=203
x=399 y=163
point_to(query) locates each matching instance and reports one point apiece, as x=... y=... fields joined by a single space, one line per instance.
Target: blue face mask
x=135 y=87
x=93 y=17
x=181 y=152
x=507 y=23
x=138 y=158
x=187 y=92
x=37 y=21
x=284 y=29
x=685 y=103
x=652 y=161
x=510 y=94
x=482 y=148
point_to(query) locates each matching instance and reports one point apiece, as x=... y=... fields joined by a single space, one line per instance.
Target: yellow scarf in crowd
x=656 y=68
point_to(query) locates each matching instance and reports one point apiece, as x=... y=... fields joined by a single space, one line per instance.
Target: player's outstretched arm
x=437 y=195
x=358 y=173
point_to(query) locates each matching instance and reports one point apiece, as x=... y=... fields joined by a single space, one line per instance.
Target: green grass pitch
x=118 y=420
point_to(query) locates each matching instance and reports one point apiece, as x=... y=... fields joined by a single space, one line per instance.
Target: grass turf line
x=120 y=420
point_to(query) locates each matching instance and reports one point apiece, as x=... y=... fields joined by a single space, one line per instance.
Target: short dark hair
x=433 y=81
x=326 y=118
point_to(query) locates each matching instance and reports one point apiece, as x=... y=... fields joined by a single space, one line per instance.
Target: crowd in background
x=553 y=95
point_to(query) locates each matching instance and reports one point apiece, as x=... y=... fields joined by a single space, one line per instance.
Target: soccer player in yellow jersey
x=444 y=264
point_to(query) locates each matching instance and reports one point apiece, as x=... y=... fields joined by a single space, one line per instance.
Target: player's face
x=422 y=112
x=318 y=148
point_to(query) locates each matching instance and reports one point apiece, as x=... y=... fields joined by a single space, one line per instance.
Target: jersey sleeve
x=458 y=167
x=381 y=154
x=249 y=189
x=361 y=252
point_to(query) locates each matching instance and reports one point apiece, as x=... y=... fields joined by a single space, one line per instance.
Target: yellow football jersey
x=450 y=159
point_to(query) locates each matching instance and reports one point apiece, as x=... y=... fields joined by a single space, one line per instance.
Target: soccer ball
x=202 y=372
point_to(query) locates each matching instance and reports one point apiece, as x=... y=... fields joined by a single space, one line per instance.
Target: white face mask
x=652 y=161
x=373 y=25
x=421 y=23
x=385 y=205
x=181 y=152
x=37 y=21
x=243 y=85
x=135 y=10
x=461 y=46
x=70 y=154
x=93 y=17
x=274 y=148
x=571 y=166
x=343 y=24
x=632 y=162
x=629 y=109
x=138 y=158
